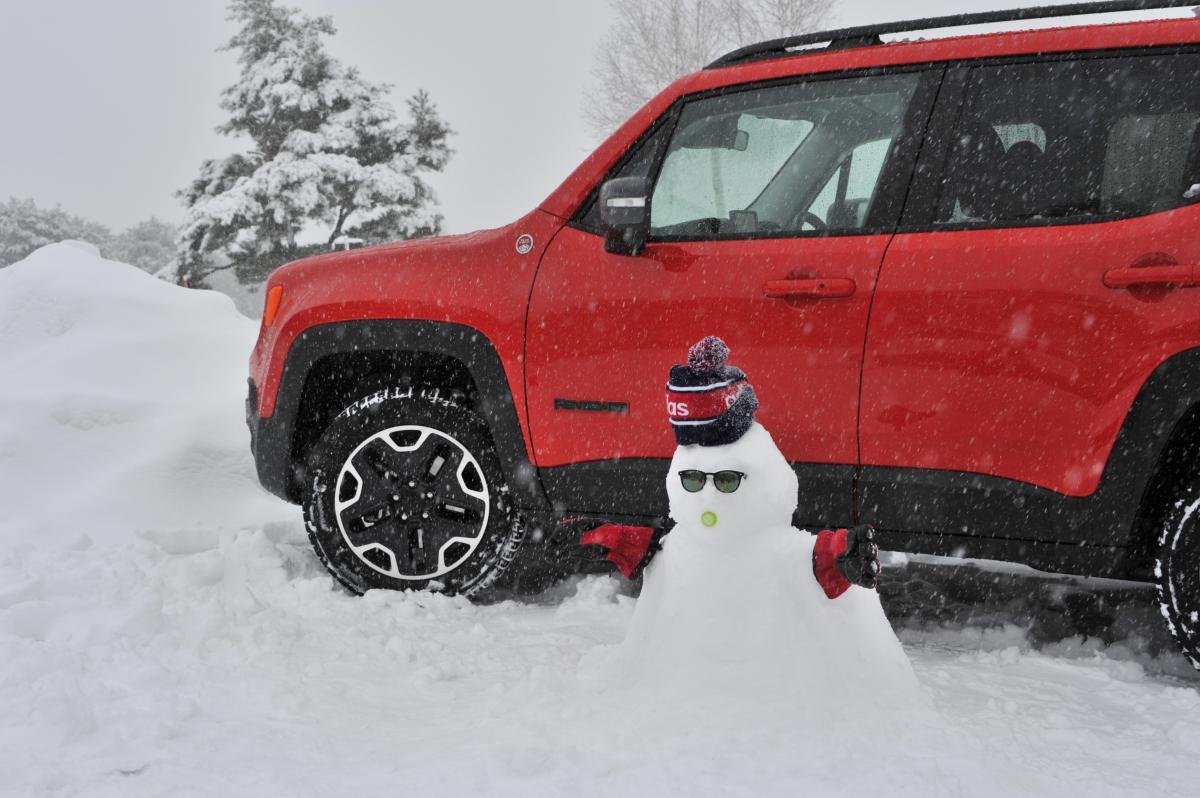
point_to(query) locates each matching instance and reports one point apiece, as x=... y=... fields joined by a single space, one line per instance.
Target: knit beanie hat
x=709 y=402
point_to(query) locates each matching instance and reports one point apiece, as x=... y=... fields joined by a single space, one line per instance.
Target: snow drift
x=121 y=403
x=165 y=629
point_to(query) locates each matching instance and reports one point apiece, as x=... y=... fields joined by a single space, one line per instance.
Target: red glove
x=846 y=557
x=627 y=546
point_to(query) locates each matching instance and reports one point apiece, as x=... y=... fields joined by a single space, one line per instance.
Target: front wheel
x=1177 y=573
x=404 y=492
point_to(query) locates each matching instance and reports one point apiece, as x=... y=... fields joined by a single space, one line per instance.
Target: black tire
x=1177 y=572
x=384 y=511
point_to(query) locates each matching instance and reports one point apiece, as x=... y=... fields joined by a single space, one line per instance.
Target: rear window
x=1101 y=137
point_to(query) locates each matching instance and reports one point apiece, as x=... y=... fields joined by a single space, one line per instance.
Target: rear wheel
x=404 y=492
x=1177 y=572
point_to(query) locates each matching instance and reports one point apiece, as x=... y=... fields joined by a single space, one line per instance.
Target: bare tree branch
x=653 y=42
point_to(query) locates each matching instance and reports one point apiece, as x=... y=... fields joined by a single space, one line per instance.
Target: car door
x=1045 y=275
x=771 y=210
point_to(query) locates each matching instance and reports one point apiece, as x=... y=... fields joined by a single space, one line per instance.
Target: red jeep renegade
x=964 y=274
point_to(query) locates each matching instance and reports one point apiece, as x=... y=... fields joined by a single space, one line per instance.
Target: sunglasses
x=725 y=481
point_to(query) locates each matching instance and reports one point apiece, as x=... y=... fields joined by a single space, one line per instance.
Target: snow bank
x=165 y=629
x=121 y=408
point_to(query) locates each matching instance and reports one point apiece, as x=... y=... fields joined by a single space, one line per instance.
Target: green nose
x=708 y=518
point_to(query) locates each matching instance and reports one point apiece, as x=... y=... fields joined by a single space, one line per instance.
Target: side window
x=698 y=182
x=779 y=160
x=845 y=199
x=1075 y=139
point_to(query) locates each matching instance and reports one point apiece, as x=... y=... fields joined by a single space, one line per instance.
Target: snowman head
x=727 y=475
x=764 y=496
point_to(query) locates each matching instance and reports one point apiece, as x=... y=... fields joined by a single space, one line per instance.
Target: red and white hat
x=709 y=402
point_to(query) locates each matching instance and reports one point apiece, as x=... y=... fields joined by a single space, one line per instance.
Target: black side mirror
x=625 y=214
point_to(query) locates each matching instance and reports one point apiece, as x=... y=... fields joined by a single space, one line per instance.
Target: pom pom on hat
x=708 y=355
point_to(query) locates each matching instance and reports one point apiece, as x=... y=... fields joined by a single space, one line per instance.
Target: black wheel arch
x=1154 y=455
x=329 y=365
x=1177 y=465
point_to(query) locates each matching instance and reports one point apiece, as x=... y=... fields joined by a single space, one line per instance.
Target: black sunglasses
x=693 y=481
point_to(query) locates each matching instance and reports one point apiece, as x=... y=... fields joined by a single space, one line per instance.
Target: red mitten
x=846 y=557
x=626 y=545
x=830 y=545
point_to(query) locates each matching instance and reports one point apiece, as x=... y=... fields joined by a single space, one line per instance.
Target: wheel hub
x=411 y=502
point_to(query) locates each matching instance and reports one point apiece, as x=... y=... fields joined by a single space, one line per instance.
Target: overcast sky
x=110 y=105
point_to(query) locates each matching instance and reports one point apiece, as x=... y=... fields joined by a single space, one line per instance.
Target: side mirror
x=625 y=214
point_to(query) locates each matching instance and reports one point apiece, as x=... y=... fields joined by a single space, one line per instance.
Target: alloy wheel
x=412 y=503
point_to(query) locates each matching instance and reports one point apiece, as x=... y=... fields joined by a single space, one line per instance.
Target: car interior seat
x=979 y=170
x=1022 y=183
x=1191 y=175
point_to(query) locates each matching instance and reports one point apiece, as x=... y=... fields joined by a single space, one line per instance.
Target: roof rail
x=867 y=35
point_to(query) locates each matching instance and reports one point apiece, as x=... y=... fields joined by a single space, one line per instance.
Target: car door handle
x=1132 y=277
x=814 y=288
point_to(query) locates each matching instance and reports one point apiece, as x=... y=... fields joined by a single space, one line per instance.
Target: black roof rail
x=867 y=35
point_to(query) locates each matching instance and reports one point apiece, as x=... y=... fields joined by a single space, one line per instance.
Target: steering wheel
x=807 y=217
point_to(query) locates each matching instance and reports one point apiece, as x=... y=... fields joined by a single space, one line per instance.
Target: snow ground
x=165 y=630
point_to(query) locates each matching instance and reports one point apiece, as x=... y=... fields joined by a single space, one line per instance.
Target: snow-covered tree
x=328 y=153
x=24 y=227
x=653 y=42
x=149 y=245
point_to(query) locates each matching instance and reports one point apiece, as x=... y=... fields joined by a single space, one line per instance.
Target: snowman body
x=730 y=605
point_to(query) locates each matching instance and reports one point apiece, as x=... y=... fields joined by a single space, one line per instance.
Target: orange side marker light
x=272 y=307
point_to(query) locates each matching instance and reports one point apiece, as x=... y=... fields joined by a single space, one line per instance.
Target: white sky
x=110 y=105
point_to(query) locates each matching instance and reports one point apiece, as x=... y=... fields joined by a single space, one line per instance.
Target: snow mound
x=122 y=403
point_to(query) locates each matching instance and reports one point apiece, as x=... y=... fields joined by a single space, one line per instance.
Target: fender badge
x=524 y=244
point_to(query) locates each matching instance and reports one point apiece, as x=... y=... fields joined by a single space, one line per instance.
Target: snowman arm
x=630 y=548
x=830 y=544
x=846 y=557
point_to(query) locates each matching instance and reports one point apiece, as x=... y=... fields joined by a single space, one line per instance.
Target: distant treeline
x=149 y=245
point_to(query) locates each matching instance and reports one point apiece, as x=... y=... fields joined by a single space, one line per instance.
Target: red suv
x=959 y=271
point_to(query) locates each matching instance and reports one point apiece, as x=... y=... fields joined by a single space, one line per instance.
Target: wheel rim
x=1185 y=581
x=412 y=503
x=1177 y=573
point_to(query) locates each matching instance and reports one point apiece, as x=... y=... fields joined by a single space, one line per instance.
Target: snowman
x=736 y=600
